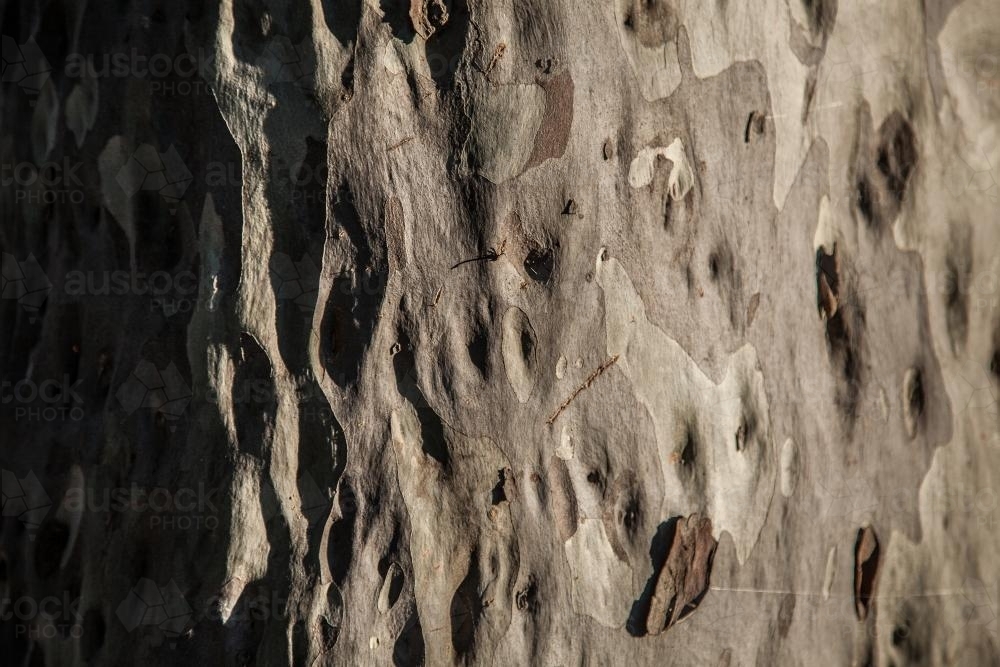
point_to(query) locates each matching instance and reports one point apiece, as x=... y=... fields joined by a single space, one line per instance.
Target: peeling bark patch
x=553 y=134
x=681 y=179
x=866 y=567
x=682 y=580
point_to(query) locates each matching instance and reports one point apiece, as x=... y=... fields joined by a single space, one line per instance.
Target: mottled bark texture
x=549 y=332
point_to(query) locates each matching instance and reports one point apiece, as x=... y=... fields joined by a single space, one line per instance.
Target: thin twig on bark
x=401 y=143
x=590 y=380
x=491 y=256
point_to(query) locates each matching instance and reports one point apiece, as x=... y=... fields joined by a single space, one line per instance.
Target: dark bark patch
x=822 y=15
x=914 y=401
x=343 y=18
x=897 y=155
x=408 y=651
x=883 y=166
x=845 y=322
x=466 y=609
x=51 y=541
x=526 y=599
x=407 y=384
x=653 y=21
x=866 y=568
x=447 y=27
x=958 y=277
x=92 y=635
x=785 y=613
x=428 y=16
x=553 y=134
x=539 y=264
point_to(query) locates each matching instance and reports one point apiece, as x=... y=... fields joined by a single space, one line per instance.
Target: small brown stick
x=401 y=143
x=590 y=380
x=497 y=55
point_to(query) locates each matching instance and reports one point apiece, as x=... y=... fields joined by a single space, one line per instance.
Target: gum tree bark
x=534 y=332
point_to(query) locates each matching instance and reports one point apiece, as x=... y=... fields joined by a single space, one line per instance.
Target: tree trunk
x=542 y=332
